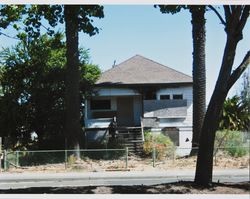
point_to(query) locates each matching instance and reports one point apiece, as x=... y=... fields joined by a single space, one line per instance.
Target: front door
x=125 y=111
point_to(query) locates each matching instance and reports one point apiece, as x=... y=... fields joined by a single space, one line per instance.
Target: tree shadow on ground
x=182 y=187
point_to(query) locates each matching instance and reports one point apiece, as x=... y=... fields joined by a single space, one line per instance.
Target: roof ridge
x=118 y=65
x=165 y=66
x=149 y=71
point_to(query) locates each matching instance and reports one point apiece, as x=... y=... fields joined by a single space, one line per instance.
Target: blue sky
x=127 y=30
x=165 y=38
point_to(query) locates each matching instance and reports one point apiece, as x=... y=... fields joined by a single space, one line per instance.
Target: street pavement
x=26 y=180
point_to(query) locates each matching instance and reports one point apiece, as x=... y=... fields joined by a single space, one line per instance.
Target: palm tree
x=199 y=72
x=199 y=66
x=234 y=115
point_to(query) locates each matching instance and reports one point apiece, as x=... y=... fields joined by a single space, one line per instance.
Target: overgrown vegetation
x=162 y=145
x=231 y=142
x=33 y=92
x=235 y=114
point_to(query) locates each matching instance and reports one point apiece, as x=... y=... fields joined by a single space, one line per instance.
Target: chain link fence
x=118 y=159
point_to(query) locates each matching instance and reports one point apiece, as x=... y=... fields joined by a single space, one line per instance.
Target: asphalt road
x=26 y=180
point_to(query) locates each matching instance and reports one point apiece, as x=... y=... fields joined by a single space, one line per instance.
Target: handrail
x=107 y=130
x=142 y=130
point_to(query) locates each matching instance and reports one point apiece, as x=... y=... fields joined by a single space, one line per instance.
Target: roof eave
x=122 y=85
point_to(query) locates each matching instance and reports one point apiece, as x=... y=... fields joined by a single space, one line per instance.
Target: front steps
x=132 y=138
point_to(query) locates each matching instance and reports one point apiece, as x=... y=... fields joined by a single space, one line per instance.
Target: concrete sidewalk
x=20 y=180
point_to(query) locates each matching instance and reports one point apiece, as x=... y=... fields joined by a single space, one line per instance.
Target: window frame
x=169 y=97
x=180 y=95
x=99 y=108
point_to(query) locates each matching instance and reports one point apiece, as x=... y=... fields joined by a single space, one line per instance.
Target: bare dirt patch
x=135 y=163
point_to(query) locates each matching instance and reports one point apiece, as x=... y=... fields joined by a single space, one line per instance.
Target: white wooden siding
x=116 y=92
x=188 y=95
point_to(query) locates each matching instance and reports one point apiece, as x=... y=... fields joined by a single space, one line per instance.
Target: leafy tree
x=199 y=67
x=245 y=92
x=76 y=18
x=234 y=22
x=33 y=81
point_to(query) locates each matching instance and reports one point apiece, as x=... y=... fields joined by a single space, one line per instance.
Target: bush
x=232 y=142
x=237 y=151
x=164 y=147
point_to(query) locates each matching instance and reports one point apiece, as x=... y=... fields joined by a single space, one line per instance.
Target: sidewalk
x=178 y=174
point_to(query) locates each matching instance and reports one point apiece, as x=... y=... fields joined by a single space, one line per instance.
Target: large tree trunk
x=235 y=20
x=204 y=166
x=72 y=77
x=199 y=72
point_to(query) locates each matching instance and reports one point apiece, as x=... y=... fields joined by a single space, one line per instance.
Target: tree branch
x=218 y=14
x=1 y=33
x=244 y=16
x=227 y=13
x=238 y=71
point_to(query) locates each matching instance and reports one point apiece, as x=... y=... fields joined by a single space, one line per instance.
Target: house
x=141 y=93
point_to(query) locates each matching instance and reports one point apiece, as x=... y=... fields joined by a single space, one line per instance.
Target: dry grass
x=136 y=163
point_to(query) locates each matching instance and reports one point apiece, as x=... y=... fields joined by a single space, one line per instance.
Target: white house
x=142 y=93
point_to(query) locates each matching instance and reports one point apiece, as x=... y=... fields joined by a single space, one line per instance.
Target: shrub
x=162 y=144
x=237 y=151
x=232 y=142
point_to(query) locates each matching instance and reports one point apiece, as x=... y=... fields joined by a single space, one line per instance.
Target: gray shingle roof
x=141 y=70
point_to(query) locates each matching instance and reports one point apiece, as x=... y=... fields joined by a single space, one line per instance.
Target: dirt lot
x=140 y=164
x=135 y=164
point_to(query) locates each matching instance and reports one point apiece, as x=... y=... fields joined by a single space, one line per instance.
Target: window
x=100 y=104
x=150 y=95
x=177 y=96
x=173 y=133
x=164 y=97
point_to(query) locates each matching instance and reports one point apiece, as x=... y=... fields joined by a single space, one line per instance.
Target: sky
x=165 y=38
x=127 y=30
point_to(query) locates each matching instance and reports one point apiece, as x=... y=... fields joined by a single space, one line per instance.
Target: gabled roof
x=141 y=70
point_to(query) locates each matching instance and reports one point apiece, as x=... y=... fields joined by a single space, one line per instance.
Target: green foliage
x=235 y=115
x=232 y=142
x=162 y=144
x=32 y=17
x=173 y=9
x=32 y=82
x=245 y=91
x=10 y=14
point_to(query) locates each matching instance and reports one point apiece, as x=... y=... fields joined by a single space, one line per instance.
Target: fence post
x=215 y=160
x=173 y=154
x=5 y=160
x=17 y=158
x=126 y=157
x=66 y=158
x=154 y=156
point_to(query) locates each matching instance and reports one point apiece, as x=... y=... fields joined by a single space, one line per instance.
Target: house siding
x=187 y=95
x=116 y=92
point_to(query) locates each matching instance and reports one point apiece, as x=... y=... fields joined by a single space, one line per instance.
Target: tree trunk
x=72 y=78
x=199 y=72
x=204 y=166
